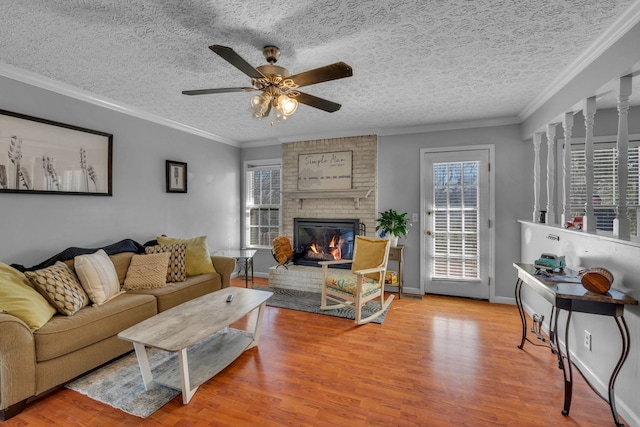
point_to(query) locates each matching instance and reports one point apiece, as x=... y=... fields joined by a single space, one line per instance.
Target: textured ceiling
x=415 y=63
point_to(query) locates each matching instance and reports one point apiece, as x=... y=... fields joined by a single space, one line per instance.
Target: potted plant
x=391 y=225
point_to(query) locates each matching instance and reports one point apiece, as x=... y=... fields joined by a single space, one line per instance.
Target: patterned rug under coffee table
x=293 y=299
x=119 y=384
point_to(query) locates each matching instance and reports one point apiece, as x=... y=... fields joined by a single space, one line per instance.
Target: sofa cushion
x=147 y=271
x=177 y=293
x=63 y=335
x=60 y=286
x=177 y=271
x=19 y=299
x=98 y=276
x=198 y=260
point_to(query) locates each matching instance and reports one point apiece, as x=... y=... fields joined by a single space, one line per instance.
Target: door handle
x=429 y=233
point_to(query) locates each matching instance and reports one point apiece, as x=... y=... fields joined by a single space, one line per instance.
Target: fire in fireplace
x=320 y=239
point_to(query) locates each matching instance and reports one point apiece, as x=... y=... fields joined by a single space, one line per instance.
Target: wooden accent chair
x=363 y=283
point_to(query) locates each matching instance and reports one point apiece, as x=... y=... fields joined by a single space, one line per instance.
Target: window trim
x=247 y=166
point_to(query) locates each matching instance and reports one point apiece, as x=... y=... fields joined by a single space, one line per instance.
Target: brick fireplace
x=364 y=177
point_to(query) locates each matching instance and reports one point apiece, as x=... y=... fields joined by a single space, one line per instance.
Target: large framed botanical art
x=41 y=156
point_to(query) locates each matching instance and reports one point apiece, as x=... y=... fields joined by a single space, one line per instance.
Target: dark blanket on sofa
x=126 y=245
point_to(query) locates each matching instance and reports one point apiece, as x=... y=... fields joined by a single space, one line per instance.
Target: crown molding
x=616 y=30
x=47 y=83
x=438 y=127
x=310 y=137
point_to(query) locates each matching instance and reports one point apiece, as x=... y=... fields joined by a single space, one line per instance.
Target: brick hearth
x=300 y=277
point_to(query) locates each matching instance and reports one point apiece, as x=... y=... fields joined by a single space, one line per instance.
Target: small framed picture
x=176 y=177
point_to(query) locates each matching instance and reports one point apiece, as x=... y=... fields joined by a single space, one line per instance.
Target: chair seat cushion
x=344 y=281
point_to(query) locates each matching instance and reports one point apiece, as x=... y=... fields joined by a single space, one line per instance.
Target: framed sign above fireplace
x=325 y=171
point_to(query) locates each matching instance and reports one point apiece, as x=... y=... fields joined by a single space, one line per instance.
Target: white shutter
x=605 y=190
x=456 y=228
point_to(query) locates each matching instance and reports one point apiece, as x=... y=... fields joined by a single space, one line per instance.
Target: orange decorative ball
x=597 y=280
x=282 y=250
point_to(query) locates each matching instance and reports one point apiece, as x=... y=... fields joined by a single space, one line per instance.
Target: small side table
x=396 y=253
x=244 y=258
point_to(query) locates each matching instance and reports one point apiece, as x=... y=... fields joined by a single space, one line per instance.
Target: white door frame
x=492 y=192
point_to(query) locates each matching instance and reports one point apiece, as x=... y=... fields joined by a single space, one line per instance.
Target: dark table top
x=566 y=285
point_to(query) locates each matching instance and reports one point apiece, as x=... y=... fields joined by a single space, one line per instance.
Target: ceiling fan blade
x=314 y=101
x=221 y=90
x=236 y=60
x=339 y=70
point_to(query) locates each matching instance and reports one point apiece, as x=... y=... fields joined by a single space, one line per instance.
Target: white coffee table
x=187 y=324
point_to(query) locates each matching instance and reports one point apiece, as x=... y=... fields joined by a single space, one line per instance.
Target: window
x=262 y=202
x=605 y=183
x=455 y=222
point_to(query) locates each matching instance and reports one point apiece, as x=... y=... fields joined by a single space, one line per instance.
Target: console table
x=573 y=297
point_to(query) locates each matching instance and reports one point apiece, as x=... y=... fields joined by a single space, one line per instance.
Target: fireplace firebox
x=320 y=239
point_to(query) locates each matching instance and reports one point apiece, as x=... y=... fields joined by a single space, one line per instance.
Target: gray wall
x=35 y=227
x=399 y=188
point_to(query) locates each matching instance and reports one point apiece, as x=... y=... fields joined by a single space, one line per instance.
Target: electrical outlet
x=415 y=217
x=587 y=340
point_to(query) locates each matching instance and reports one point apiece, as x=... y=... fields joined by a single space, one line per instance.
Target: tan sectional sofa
x=66 y=347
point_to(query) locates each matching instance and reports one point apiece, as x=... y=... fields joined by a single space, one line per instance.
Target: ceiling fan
x=279 y=88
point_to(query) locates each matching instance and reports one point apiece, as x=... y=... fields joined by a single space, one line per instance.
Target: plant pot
x=394 y=241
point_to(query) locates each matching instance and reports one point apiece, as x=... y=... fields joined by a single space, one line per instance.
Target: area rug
x=293 y=299
x=119 y=384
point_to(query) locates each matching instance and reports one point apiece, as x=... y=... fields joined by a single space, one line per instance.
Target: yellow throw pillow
x=369 y=254
x=147 y=271
x=19 y=299
x=198 y=260
x=98 y=277
x=60 y=285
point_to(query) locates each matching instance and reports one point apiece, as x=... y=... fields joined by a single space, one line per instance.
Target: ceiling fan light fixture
x=260 y=105
x=285 y=106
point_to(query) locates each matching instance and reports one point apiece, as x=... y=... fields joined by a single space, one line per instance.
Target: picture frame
x=39 y=156
x=176 y=177
x=325 y=171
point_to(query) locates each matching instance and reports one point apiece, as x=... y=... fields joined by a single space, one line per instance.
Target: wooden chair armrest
x=370 y=270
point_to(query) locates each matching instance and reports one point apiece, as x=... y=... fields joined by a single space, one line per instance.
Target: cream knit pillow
x=147 y=271
x=98 y=277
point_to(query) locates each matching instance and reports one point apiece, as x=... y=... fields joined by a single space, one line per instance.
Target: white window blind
x=605 y=183
x=456 y=228
x=262 y=204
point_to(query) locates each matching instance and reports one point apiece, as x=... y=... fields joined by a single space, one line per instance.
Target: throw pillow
x=60 y=286
x=147 y=271
x=369 y=254
x=177 y=271
x=198 y=260
x=98 y=277
x=19 y=299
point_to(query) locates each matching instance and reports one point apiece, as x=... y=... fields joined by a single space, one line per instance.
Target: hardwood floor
x=434 y=362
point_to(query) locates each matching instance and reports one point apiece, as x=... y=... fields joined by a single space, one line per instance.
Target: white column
x=621 y=224
x=567 y=125
x=537 y=139
x=551 y=172
x=589 y=112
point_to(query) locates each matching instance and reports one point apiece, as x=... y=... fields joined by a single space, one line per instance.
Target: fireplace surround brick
x=364 y=176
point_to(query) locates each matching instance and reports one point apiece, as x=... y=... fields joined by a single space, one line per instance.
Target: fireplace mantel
x=356 y=195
